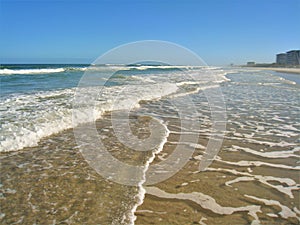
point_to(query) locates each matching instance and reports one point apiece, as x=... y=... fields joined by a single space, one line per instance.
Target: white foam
x=259 y=163
x=288 y=188
x=285 y=212
x=280 y=132
x=271 y=144
x=192 y=145
x=150 y=211
x=272 y=215
x=165 y=67
x=143 y=79
x=239 y=179
x=287 y=81
x=271 y=154
x=162 y=156
x=28 y=118
x=142 y=190
x=249 y=138
x=195 y=91
x=296 y=210
x=249 y=170
x=206 y=202
x=289 y=127
x=188 y=83
x=277 y=118
x=260 y=128
x=202 y=221
x=30 y=71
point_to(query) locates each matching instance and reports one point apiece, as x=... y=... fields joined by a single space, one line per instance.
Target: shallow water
x=255 y=177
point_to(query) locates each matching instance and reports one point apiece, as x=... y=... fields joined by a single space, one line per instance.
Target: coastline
x=280 y=69
x=253 y=179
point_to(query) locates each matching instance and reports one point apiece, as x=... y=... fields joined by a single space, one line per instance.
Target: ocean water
x=48 y=176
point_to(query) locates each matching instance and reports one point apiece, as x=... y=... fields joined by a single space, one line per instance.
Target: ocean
x=148 y=144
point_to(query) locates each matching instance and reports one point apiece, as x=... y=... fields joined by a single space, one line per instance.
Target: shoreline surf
x=256 y=169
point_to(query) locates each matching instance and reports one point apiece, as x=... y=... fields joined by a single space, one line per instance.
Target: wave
x=166 y=67
x=282 y=78
x=26 y=71
x=33 y=71
x=30 y=71
x=26 y=119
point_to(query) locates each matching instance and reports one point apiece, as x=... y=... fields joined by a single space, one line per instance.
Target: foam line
x=288 y=188
x=142 y=190
x=259 y=163
x=272 y=154
x=207 y=202
x=285 y=211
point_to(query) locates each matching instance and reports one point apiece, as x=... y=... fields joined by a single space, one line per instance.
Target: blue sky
x=219 y=31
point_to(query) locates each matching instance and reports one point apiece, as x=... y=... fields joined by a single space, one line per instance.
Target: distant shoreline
x=284 y=70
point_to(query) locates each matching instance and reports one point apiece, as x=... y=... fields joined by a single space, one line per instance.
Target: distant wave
x=30 y=71
x=140 y=67
x=164 y=67
x=287 y=79
x=27 y=71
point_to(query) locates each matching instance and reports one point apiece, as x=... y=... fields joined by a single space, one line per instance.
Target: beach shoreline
x=252 y=179
x=277 y=69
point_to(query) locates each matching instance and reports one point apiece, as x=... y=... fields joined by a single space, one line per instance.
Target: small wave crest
x=33 y=71
x=30 y=71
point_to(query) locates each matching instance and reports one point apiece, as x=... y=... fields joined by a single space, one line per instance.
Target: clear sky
x=219 y=31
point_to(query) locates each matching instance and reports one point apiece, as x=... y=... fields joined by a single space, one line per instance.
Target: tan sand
x=284 y=70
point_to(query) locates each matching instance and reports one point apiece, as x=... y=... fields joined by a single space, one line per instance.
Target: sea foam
x=26 y=119
x=30 y=71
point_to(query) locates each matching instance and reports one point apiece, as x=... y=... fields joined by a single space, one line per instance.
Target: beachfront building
x=250 y=63
x=293 y=57
x=281 y=59
x=290 y=58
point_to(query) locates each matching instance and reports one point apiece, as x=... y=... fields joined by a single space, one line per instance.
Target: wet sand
x=53 y=184
x=221 y=202
x=239 y=187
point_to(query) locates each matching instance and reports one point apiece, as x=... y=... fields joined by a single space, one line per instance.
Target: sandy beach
x=283 y=70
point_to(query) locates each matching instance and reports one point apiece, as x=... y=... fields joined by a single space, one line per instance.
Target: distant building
x=293 y=57
x=250 y=63
x=281 y=59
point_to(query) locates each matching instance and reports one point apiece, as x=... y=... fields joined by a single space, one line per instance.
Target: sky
x=220 y=32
